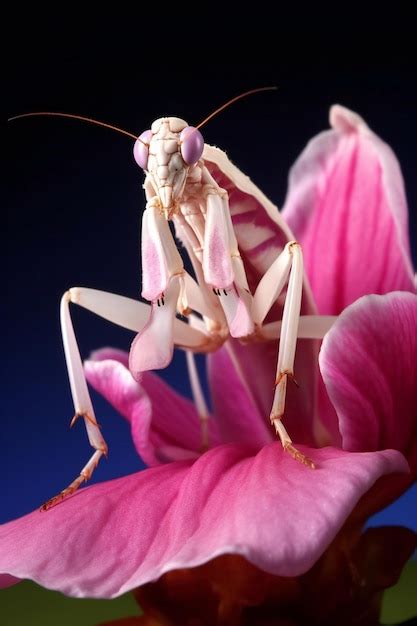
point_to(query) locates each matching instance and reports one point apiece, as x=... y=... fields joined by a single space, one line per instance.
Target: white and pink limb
x=129 y=314
x=288 y=264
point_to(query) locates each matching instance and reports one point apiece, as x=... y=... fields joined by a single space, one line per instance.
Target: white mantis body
x=243 y=256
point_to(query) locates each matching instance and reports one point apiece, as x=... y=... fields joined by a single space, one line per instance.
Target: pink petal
x=252 y=374
x=346 y=205
x=368 y=361
x=114 y=354
x=233 y=403
x=118 y=535
x=165 y=426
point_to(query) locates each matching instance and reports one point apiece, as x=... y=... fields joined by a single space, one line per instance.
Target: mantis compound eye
x=141 y=149
x=192 y=145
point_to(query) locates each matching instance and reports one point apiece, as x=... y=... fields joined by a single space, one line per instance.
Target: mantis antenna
x=232 y=101
x=127 y=133
x=75 y=117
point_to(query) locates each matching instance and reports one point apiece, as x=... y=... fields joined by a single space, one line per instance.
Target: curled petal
x=346 y=204
x=115 y=536
x=165 y=426
x=368 y=362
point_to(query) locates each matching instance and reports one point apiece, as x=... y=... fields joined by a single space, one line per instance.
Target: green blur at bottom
x=27 y=604
x=400 y=602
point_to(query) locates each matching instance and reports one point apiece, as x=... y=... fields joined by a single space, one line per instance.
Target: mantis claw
x=84 y=475
x=298 y=456
x=60 y=496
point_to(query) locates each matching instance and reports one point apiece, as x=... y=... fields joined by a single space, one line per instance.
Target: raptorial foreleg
x=222 y=264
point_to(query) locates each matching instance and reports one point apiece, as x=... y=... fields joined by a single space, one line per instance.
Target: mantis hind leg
x=289 y=265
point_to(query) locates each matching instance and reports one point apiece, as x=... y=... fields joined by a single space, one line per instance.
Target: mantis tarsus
x=243 y=256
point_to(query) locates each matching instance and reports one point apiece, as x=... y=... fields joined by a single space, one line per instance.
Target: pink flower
x=245 y=496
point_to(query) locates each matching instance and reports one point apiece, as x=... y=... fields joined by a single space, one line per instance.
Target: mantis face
x=166 y=153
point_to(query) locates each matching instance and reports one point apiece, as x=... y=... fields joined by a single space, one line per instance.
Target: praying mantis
x=245 y=262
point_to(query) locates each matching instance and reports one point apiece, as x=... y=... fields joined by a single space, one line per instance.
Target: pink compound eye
x=141 y=149
x=192 y=145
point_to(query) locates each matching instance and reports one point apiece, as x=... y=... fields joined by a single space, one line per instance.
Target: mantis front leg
x=169 y=288
x=164 y=286
x=222 y=264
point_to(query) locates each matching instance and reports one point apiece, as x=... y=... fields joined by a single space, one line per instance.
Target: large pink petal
x=346 y=205
x=249 y=376
x=118 y=535
x=165 y=426
x=369 y=365
x=233 y=402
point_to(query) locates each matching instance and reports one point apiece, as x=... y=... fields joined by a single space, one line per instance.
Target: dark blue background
x=76 y=199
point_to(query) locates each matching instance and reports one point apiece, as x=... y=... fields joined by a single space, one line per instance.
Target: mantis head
x=167 y=152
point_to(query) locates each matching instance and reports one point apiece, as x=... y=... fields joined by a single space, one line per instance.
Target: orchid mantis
x=246 y=265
